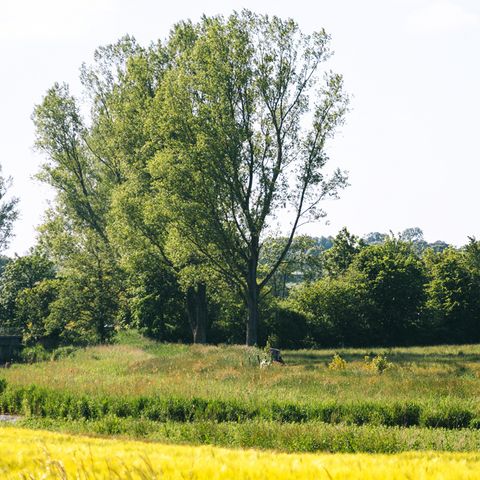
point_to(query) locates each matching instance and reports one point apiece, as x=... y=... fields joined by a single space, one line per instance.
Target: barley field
x=28 y=454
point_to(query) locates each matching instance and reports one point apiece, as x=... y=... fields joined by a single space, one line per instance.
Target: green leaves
x=192 y=151
x=8 y=212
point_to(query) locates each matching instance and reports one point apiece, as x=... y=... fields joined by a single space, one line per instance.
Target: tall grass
x=287 y=437
x=140 y=367
x=41 y=402
x=426 y=399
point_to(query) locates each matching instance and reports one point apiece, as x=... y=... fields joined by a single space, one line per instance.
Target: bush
x=337 y=363
x=335 y=311
x=447 y=416
x=62 y=352
x=285 y=327
x=34 y=354
x=378 y=364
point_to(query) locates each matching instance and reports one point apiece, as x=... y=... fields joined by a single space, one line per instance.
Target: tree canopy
x=237 y=152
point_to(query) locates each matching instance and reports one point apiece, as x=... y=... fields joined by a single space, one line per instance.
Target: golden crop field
x=30 y=454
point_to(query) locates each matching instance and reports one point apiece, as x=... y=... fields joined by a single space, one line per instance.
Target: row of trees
x=389 y=293
x=327 y=292
x=173 y=178
x=190 y=153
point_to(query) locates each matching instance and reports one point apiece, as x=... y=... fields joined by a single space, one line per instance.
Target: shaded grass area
x=306 y=437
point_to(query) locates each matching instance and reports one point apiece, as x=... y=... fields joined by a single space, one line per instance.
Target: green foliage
x=286 y=325
x=340 y=256
x=390 y=295
x=303 y=262
x=168 y=192
x=22 y=274
x=8 y=212
x=84 y=311
x=62 y=352
x=32 y=309
x=393 y=277
x=453 y=294
x=230 y=110
x=336 y=311
x=34 y=354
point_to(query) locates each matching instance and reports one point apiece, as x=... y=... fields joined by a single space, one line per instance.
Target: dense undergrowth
x=42 y=402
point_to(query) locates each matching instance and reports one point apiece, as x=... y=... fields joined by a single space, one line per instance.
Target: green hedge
x=41 y=402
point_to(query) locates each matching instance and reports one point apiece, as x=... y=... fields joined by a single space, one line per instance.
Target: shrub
x=63 y=352
x=378 y=364
x=34 y=354
x=337 y=363
x=447 y=416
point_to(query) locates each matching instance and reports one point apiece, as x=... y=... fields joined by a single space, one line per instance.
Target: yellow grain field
x=32 y=454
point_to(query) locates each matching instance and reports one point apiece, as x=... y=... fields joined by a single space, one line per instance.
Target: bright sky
x=411 y=140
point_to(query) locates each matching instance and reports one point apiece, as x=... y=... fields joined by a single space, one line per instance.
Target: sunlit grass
x=141 y=367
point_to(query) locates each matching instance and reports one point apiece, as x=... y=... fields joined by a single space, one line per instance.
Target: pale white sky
x=413 y=67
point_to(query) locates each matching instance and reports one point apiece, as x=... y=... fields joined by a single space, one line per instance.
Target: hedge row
x=41 y=402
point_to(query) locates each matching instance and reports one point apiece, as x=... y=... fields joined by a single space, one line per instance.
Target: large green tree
x=75 y=233
x=454 y=293
x=345 y=247
x=98 y=168
x=246 y=113
x=394 y=278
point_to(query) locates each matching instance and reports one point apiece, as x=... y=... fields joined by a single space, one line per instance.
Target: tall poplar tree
x=245 y=111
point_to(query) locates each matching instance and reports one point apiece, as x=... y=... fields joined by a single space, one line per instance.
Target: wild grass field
x=426 y=399
x=47 y=456
x=136 y=366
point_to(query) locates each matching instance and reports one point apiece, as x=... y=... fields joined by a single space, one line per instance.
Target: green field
x=427 y=400
x=135 y=366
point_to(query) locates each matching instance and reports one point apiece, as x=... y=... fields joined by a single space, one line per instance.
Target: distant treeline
x=396 y=292
x=342 y=291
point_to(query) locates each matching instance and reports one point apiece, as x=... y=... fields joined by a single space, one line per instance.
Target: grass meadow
x=426 y=398
x=135 y=366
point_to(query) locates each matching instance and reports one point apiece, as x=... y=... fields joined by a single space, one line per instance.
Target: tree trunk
x=197 y=312
x=200 y=332
x=253 y=295
x=253 y=314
